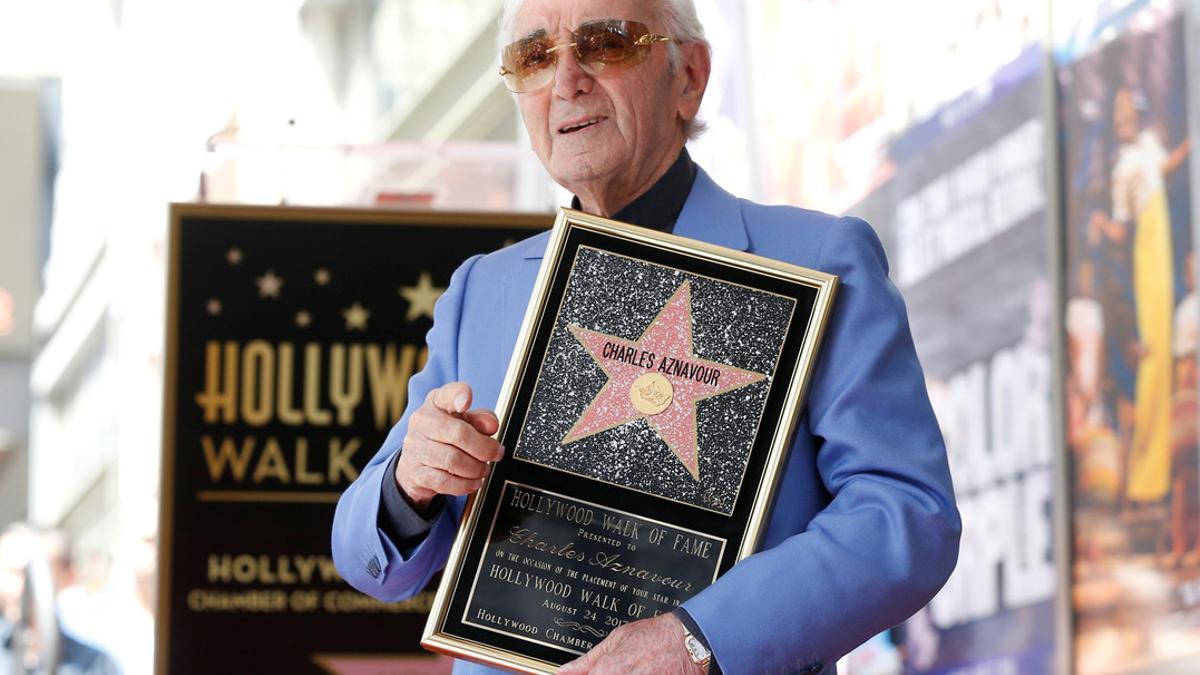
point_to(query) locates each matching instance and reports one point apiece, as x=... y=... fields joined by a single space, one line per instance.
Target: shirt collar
x=710 y=215
x=658 y=208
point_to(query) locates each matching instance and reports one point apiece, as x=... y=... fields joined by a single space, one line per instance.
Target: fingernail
x=460 y=403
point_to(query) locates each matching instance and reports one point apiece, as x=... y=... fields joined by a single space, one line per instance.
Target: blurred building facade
x=26 y=149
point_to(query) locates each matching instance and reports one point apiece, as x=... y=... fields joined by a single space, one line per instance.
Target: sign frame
x=178 y=213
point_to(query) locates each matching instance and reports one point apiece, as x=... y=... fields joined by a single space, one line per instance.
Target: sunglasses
x=529 y=64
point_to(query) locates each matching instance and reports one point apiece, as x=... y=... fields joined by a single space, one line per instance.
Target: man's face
x=633 y=113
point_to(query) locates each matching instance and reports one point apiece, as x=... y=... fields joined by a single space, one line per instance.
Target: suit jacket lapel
x=713 y=215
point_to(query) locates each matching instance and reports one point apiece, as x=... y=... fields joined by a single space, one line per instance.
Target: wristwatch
x=700 y=654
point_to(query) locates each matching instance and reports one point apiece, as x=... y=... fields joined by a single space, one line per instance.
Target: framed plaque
x=647 y=411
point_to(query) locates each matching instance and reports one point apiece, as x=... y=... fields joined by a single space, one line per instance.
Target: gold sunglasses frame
x=643 y=41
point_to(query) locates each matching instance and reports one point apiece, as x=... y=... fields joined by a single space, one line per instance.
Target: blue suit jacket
x=864 y=530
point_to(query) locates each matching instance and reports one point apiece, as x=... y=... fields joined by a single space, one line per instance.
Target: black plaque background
x=681 y=565
x=369 y=255
x=732 y=529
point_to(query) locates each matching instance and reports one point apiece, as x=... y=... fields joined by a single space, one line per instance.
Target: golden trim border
x=826 y=286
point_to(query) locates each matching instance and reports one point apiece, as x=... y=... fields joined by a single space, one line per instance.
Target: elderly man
x=864 y=530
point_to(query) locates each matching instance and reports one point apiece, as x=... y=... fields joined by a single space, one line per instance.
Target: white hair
x=679 y=20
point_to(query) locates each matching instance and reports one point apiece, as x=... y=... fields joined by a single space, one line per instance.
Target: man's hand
x=447 y=447
x=646 y=646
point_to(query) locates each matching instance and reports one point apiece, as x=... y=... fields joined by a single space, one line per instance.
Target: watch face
x=698 y=652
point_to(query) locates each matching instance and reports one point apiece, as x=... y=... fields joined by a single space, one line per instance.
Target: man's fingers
x=459 y=426
x=484 y=421
x=452 y=460
x=453 y=398
x=453 y=431
x=445 y=483
x=579 y=666
x=585 y=663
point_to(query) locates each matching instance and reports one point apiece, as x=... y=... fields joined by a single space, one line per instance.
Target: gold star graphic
x=303 y=319
x=421 y=298
x=321 y=276
x=213 y=307
x=356 y=317
x=234 y=256
x=269 y=285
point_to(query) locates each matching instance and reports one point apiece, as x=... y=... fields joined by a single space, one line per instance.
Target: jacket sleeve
x=888 y=539
x=363 y=553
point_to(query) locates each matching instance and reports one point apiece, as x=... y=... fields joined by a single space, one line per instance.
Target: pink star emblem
x=657 y=378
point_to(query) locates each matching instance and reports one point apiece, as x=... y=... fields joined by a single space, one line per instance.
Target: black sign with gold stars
x=291 y=337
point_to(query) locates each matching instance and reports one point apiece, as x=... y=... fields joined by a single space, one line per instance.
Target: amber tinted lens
x=528 y=64
x=602 y=44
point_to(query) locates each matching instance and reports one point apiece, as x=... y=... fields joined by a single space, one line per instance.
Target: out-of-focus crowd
x=67 y=612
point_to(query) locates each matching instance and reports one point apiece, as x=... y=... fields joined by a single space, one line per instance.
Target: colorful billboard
x=966 y=219
x=1132 y=321
x=835 y=82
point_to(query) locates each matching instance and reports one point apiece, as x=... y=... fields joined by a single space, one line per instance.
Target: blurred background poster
x=965 y=218
x=1131 y=322
x=836 y=82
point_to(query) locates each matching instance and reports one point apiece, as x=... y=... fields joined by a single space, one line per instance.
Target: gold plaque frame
x=572 y=232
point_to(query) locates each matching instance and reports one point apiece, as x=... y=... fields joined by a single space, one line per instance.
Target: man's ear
x=695 y=69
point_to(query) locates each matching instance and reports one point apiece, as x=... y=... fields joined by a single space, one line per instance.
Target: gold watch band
x=699 y=654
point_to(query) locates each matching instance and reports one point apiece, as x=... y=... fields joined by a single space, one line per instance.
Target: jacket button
x=373 y=567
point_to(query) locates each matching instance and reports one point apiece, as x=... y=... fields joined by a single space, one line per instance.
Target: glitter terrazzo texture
x=619 y=296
